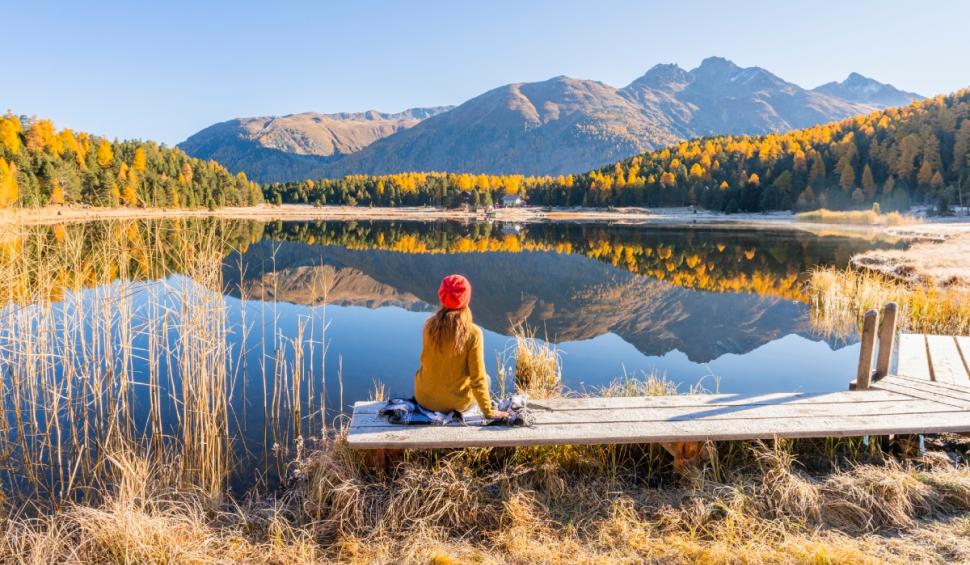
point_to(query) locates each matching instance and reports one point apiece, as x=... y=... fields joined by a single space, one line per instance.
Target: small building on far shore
x=512 y=201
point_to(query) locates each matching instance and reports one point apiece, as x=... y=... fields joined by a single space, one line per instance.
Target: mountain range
x=561 y=125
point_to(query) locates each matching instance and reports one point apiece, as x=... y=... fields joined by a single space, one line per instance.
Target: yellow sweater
x=448 y=381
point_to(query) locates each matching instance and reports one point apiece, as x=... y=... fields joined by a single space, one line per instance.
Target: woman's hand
x=499 y=414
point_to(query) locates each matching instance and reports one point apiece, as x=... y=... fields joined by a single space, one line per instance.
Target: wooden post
x=687 y=455
x=906 y=446
x=864 y=375
x=376 y=459
x=383 y=460
x=887 y=339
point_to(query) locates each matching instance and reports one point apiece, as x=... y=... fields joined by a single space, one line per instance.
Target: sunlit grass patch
x=855 y=217
x=653 y=384
x=839 y=297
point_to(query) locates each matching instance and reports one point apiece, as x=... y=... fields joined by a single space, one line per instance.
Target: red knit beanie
x=455 y=292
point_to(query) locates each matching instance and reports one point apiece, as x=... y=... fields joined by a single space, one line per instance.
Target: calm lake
x=336 y=307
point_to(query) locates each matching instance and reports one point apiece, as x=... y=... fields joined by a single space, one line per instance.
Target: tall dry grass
x=486 y=506
x=147 y=514
x=855 y=217
x=79 y=334
x=537 y=364
x=767 y=508
x=115 y=337
x=838 y=299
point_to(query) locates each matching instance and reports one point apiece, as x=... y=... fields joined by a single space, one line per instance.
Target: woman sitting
x=452 y=374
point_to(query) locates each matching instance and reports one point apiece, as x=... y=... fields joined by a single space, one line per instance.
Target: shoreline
x=308 y=212
x=936 y=237
x=632 y=215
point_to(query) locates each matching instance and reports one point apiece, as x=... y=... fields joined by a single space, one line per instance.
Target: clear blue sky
x=163 y=70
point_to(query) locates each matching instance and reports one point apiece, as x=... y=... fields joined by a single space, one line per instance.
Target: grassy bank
x=944 y=263
x=798 y=502
x=839 y=298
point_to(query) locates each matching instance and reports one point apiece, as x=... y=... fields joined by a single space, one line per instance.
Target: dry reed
x=93 y=360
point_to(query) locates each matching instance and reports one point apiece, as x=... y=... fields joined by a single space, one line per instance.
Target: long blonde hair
x=450 y=329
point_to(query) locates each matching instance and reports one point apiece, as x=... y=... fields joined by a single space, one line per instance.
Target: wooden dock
x=902 y=407
x=929 y=392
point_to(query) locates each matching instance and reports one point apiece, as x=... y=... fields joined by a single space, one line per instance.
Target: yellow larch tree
x=10 y=129
x=130 y=195
x=57 y=193
x=114 y=194
x=41 y=135
x=140 y=161
x=185 y=174
x=105 y=154
x=696 y=171
x=9 y=190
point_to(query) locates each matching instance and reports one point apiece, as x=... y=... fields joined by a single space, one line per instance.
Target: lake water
x=718 y=306
x=689 y=303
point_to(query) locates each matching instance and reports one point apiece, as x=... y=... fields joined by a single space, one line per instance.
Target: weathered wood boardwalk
x=928 y=393
x=943 y=359
x=900 y=406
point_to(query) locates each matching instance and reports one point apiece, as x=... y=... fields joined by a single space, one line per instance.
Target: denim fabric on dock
x=408 y=412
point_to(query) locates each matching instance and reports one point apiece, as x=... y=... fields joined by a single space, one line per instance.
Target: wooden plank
x=686 y=400
x=887 y=339
x=957 y=391
x=423 y=437
x=963 y=341
x=905 y=387
x=913 y=359
x=357 y=417
x=945 y=362
x=866 y=348
x=728 y=415
x=963 y=344
x=926 y=390
x=951 y=390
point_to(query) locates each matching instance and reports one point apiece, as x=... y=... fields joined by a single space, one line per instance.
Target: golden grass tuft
x=650 y=384
x=537 y=365
x=855 y=217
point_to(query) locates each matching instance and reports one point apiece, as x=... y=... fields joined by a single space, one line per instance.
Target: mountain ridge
x=859 y=88
x=557 y=126
x=264 y=146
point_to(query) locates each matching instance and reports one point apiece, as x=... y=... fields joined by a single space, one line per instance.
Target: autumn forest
x=40 y=166
x=894 y=158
